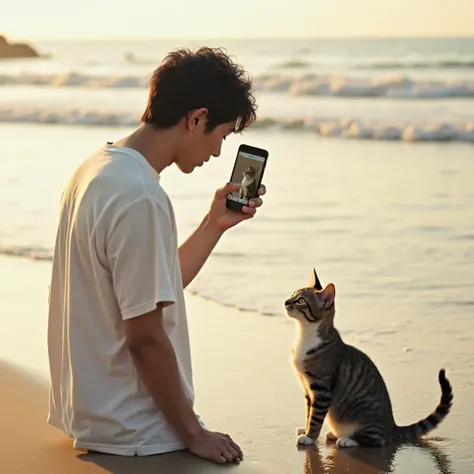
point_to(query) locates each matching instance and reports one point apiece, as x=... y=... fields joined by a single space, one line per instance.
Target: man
x=121 y=379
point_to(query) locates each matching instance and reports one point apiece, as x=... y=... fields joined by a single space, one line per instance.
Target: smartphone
x=248 y=170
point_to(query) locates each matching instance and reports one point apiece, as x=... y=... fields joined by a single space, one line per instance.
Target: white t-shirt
x=115 y=258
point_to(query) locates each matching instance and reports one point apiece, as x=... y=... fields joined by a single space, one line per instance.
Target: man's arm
x=143 y=286
x=154 y=357
x=155 y=360
x=194 y=252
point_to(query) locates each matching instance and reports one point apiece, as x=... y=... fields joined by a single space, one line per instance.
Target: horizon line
x=240 y=38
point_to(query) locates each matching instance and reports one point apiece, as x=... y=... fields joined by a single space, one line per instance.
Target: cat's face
x=250 y=172
x=311 y=304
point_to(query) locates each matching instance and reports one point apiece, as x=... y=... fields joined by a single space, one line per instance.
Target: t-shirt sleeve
x=139 y=252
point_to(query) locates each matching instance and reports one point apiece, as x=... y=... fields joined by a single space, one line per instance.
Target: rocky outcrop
x=15 y=50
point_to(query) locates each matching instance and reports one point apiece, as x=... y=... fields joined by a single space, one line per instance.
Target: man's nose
x=217 y=151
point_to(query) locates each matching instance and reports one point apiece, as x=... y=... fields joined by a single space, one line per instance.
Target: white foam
x=332 y=85
x=347 y=128
x=395 y=87
x=73 y=116
x=74 y=79
x=27 y=252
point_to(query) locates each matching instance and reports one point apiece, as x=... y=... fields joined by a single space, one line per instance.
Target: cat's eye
x=301 y=301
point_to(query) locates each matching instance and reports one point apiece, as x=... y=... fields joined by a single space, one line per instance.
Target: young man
x=121 y=378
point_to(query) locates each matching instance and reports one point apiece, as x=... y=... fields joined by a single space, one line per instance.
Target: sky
x=33 y=19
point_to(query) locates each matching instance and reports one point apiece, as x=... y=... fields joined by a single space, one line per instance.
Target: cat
x=248 y=188
x=342 y=384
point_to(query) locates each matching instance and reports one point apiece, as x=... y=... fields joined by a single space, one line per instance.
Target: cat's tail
x=422 y=427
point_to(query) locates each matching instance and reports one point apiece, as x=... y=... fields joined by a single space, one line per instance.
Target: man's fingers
x=228 y=456
x=262 y=190
x=222 y=193
x=249 y=210
x=256 y=202
x=236 y=447
x=234 y=453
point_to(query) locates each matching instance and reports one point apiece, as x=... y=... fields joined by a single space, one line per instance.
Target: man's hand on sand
x=217 y=447
x=225 y=218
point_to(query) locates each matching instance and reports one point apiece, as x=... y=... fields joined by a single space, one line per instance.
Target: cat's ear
x=315 y=283
x=327 y=296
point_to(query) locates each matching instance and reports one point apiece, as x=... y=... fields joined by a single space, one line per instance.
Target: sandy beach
x=244 y=386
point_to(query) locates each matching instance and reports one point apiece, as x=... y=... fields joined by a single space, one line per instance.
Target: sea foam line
x=396 y=86
x=31 y=253
x=347 y=128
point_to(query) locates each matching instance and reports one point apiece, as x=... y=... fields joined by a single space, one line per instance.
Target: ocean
x=370 y=180
x=370 y=173
x=411 y=90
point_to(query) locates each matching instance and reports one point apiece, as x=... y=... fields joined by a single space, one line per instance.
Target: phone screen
x=247 y=171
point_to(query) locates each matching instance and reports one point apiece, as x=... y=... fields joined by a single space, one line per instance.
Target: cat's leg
x=346 y=442
x=252 y=190
x=330 y=436
x=372 y=435
x=320 y=403
x=307 y=406
x=365 y=437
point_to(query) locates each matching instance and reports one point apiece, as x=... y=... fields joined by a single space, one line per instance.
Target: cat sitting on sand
x=342 y=384
x=248 y=188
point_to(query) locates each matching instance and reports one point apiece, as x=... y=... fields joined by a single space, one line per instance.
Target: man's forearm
x=157 y=366
x=194 y=252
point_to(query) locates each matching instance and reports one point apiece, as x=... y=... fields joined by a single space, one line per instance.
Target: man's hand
x=215 y=447
x=224 y=218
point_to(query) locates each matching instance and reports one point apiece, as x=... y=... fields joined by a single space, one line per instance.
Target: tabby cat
x=342 y=384
x=248 y=188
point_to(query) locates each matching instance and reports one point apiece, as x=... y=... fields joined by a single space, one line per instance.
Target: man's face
x=198 y=146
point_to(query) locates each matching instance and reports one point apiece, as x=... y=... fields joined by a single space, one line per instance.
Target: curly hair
x=187 y=80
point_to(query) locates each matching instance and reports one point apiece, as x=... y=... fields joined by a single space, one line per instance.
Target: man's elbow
x=140 y=346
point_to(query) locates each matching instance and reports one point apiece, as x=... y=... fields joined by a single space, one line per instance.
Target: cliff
x=15 y=50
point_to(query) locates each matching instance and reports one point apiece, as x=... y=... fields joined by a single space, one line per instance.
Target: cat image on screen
x=248 y=188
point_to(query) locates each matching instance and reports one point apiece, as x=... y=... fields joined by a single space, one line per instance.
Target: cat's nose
x=287 y=302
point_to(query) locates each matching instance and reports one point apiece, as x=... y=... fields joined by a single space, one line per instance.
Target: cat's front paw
x=304 y=440
x=346 y=443
x=300 y=431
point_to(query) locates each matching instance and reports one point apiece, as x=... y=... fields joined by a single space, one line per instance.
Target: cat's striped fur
x=342 y=385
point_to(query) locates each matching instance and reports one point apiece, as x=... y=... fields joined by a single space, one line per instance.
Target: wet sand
x=244 y=386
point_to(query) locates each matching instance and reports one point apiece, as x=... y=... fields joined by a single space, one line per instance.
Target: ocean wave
x=44 y=254
x=331 y=85
x=294 y=64
x=455 y=63
x=31 y=253
x=419 y=64
x=393 y=87
x=74 y=79
x=347 y=128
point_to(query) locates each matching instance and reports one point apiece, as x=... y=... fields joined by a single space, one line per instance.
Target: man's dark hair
x=188 y=80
